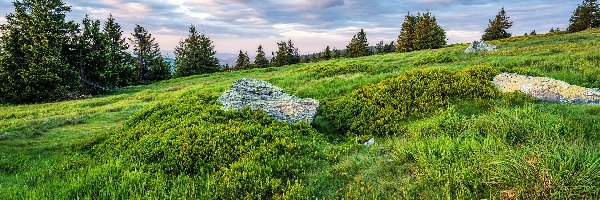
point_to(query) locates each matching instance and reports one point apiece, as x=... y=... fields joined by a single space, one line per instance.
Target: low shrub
x=381 y=108
x=433 y=58
x=242 y=154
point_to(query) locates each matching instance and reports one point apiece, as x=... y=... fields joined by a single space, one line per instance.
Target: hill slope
x=169 y=139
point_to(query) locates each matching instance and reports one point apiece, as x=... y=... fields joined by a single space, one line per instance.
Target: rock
x=261 y=95
x=480 y=46
x=370 y=142
x=546 y=89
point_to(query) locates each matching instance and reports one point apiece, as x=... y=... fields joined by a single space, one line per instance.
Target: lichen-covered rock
x=546 y=89
x=261 y=95
x=480 y=46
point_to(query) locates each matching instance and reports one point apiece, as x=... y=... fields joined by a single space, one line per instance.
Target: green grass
x=496 y=148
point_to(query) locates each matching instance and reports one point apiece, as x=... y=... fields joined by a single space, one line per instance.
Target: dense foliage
x=149 y=64
x=497 y=29
x=261 y=61
x=420 y=32
x=286 y=54
x=359 y=46
x=195 y=55
x=243 y=61
x=381 y=108
x=586 y=15
x=236 y=154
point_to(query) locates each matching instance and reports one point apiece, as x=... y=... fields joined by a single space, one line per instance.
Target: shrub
x=240 y=154
x=380 y=108
x=433 y=58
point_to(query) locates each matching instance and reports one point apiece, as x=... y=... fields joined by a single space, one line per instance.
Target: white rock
x=370 y=142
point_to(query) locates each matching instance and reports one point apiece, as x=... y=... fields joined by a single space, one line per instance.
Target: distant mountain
x=227 y=58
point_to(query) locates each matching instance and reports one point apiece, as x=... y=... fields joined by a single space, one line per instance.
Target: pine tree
x=428 y=34
x=326 y=54
x=533 y=33
x=407 y=34
x=35 y=42
x=389 y=48
x=336 y=53
x=497 y=29
x=243 y=61
x=261 y=61
x=359 y=46
x=119 y=70
x=286 y=54
x=195 y=55
x=586 y=15
x=380 y=47
x=93 y=58
x=149 y=64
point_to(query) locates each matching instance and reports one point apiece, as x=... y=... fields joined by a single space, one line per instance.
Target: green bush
x=433 y=58
x=242 y=154
x=381 y=108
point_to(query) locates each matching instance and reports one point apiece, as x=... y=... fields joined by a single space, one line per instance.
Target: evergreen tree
x=420 y=32
x=380 y=47
x=119 y=71
x=389 y=48
x=336 y=53
x=428 y=34
x=533 y=33
x=586 y=15
x=286 y=54
x=359 y=46
x=243 y=61
x=326 y=54
x=195 y=55
x=149 y=63
x=36 y=48
x=407 y=34
x=497 y=29
x=93 y=58
x=261 y=61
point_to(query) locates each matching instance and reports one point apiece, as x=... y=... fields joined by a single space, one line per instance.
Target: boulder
x=480 y=46
x=546 y=89
x=262 y=95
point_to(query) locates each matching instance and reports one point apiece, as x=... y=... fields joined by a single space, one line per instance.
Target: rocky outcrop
x=480 y=46
x=261 y=95
x=546 y=89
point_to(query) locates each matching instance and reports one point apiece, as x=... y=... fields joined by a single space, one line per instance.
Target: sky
x=312 y=25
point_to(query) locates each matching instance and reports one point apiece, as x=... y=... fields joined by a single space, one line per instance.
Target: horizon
x=235 y=25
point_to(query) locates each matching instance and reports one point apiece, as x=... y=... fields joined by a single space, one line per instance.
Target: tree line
x=44 y=57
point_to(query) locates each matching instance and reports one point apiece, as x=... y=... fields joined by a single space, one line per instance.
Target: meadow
x=465 y=141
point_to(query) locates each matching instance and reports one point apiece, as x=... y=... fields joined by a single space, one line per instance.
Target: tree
x=119 y=70
x=389 y=48
x=586 y=15
x=336 y=53
x=243 y=61
x=93 y=58
x=195 y=55
x=380 y=48
x=286 y=54
x=407 y=34
x=326 y=54
x=533 y=33
x=36 y=45
x=261 y=61
x=149 y=64
x=497 y=29
x=359 y=46
x=420 y=32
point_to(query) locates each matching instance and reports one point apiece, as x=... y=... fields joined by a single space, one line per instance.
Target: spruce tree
x=286 y=54
x=326 y=54
x=497 y=29
x=195 y=55
x=293 y=56
x=359 y=46
x=93 y=58
x=407 y=34
x=149 y=64
x=428 y=34
x=336 y=53
x=119 y=71
x=36 y=48
x=243 y=61
x=380 y=47
x=389 y=48
x=261 y=61
x=586 y=15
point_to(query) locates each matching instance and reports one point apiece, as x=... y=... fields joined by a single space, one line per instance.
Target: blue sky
x=312 y=24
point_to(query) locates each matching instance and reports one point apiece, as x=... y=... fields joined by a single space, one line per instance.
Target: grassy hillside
x=171 y=140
